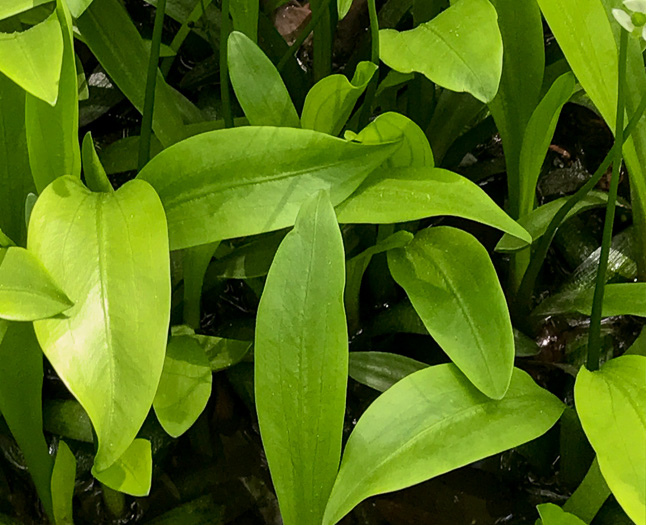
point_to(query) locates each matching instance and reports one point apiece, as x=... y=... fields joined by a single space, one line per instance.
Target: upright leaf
x=132 y=472
x=109 y=251
x=258 y=86
x=460 y=49
x=215 y=187
x=452 y=284
x=194 y=265
x=95 y=176
x=611 y=403
x=301 y=363
x=63 y=477
x=431 y=422
x=245 y=17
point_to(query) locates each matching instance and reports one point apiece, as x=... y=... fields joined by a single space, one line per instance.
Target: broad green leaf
x=27 y=290
x=589 y=496
x=618 y=299
x=381 y=370
x=460 y=49
x=109 y=251
x=408 y=194
x=243 y=181
x=611 y=403
x=258 y=86
x=537 y=221
x=21 y=382
x=452 y=284
x=245 y=18
x=95 y=176
x=14 y=7
x=131 y=473
x=15 y=175
x=33 y=58
x=63 y=477
x=432 y=422
x=414 y=149
x=538 y=137
x=184 y=387
x=330 y=102
x=301 y=363
x=77 y=7
x=554 y=515
x=52 y=129
x=194 y=265
x=223 y=353
x=521 y=28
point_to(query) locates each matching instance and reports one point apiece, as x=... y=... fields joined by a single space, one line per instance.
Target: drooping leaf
x=452 y=284
x=110 y=253
x=184 y=387
x=28 y=292
x=258 y=85
x=132 y=472
x=52 y=129
x=95 y=176
x=21 y=382
x=63 y=477
x=554 y=515
x=431 y=422
x=330 y=102
x=460 y=49
x=408 y=194
x=618 y=299
x=245 y=18
x=214 y=187
x=611 y=403
x=381 y=370
x=33 y=58
x=301 y=363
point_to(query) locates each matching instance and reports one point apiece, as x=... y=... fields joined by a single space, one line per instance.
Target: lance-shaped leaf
x=611 y=403
x=554 y=515
x=408 y=194
x=28 y=292
x=15 y=7
x=301 y=363
x=243 y=181
x=331 y=100
x=432 y=422
x=63 y=477
x=381 y=370
x=132 y=473
x=452 y=284
x=258 y=86
x=618 y=299
x=245 y=17
x=110 y=253
x=460 y=49
x=33 y=58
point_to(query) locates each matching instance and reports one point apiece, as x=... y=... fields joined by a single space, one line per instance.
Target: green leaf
x=537 y=221
x=67 y=419
x=33 y=58
x=618 y=299
x=408 y=194
x=554 y=515
x=131 y=473
x=245 y=191
x=194 y=265
x=460 y=49
x=110 y=253
x=245 y=18
x=590 y=495
x=258 y=86
x=15 y=7
x=184 y=387
x=611 y=403
x=21 y=383
x=95 y=176
x=301 y=363
x=343 y=6
x=77 y=7
x=27 y=290
x=5 y=242
x=52 y=129
x=330 y=102
x=63 y=477
x=452 y=284
x=381 y=370
x=432 y=422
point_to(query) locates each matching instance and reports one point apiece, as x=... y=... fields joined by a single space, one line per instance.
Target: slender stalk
x=225 y=94
x=594 y=338
x=374 y=57
x=151 y=83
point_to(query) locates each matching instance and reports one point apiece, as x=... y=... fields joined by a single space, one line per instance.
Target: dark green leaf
x=618 y=299
x=381 y=370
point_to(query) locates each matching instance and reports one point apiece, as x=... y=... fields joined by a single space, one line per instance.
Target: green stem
x=374 y=58
x=594 y=338
x=151 y=83
x=225 y=94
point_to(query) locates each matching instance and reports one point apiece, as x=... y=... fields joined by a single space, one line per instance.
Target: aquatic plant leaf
x=554 y=515
x=381 y=370
x=618 y=299
x=63 y=478
x=131 y=473
x=94 y=174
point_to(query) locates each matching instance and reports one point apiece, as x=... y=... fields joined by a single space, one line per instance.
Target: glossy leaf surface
x=408 y=194
x=554 y=515
x=214 y=187
x=258 y=85
x=28 y=292
x=381 y=370
x=132 y=472
x=618 y=299
x=453 y=286
x=301 y=363
x=63 y=477
x=460 y=49
x=432 y=422
x=330 y=102
x=110 y=252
